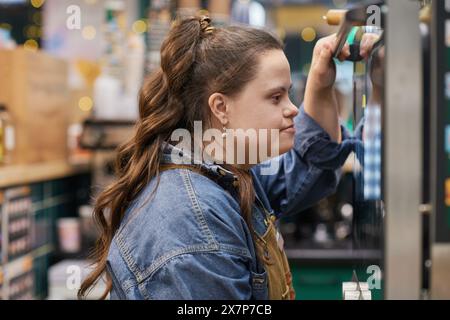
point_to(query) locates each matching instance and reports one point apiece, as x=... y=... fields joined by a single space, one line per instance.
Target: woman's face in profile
x=264 y=103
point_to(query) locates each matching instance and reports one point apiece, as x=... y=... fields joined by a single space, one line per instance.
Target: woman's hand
x=322 y=73
x=323 y=70
x=320 y=100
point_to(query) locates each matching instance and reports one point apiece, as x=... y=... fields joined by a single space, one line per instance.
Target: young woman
x=206 y=229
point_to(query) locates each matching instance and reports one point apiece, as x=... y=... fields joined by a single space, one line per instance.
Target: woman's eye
x=276 y=99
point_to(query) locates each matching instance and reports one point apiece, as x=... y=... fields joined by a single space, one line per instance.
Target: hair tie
x=205 y=24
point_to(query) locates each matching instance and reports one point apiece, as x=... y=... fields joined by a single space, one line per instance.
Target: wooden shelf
x=19 y=266
x=15 y=175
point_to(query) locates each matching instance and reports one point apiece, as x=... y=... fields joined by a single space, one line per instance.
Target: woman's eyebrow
x=280 y=88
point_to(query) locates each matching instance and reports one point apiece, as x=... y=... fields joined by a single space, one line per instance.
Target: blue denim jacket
x=191 y=242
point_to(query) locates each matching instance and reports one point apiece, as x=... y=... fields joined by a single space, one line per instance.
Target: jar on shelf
x=7 y=136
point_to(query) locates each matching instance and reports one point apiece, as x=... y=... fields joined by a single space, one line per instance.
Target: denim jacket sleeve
x=309 y=171
x=198 y=276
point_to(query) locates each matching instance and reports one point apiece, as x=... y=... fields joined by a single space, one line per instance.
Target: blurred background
x=70 y=72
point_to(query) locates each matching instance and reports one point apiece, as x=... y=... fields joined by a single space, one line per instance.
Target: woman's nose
x=290 y=111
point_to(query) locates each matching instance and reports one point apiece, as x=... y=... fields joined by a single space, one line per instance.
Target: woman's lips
x=290 y=129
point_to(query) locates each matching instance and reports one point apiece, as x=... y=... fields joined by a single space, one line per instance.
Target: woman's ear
x=218 y=104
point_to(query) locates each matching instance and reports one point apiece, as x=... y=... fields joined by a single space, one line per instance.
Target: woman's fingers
x=325 y=56
x=329 y=44
x=322 y=72
x=345 y=53
x=325 y=42
x=367 y=42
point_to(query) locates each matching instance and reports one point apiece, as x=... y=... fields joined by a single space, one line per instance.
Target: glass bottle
x=7 y=136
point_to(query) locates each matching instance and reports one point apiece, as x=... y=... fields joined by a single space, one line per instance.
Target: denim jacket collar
x=222 y=176
x=175 y=155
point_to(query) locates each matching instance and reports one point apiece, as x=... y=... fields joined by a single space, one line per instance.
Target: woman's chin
x=286 y=145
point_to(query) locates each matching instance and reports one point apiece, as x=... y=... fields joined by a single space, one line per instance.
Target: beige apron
x=271 y=254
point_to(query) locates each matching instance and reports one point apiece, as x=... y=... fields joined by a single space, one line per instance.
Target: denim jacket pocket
x=259 y=286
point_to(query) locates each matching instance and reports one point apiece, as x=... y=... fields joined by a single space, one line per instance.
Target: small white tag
x=350 y=291
x=280 y=241
x=357 y=295
x=352 y=286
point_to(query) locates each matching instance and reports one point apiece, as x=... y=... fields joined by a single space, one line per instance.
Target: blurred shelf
x=43 y=250
x=18 y=266
x=100 y=134
x=30 y=173
x=334 y=256
x=109 y=122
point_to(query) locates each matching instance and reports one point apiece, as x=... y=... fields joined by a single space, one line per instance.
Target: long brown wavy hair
x=196 y=61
